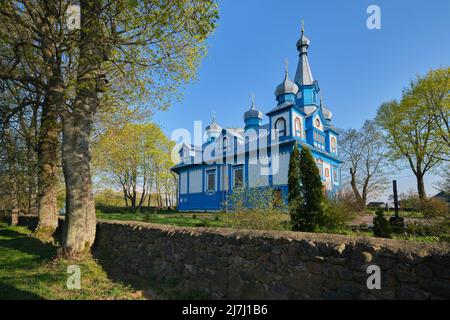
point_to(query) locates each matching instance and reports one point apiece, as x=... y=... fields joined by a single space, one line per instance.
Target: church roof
x=213 y=126
x=253 y=112
x=303 y=76
x=287 y=86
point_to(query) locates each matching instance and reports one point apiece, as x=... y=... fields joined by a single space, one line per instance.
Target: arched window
x=333 y=144
x=298 y=127
x=225 y=143
x=280 y=125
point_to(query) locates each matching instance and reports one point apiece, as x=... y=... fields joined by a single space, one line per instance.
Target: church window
x=317 y=122
x=225 y=143
x=333 y=144
x=238 y=178
x=298 y=127
x=335 y=174
x=327 y=172
x=211 y=180
x=280 y=125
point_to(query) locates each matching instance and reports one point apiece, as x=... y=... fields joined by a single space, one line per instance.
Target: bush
x=147 y=217
x=336 y=214
x=432 y=208
x=441 y=229
x=203 y=223
x=253 y=208
x=381 y=226
x=194 y=216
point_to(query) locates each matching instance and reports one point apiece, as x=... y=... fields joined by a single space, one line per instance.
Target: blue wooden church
x=257 y=156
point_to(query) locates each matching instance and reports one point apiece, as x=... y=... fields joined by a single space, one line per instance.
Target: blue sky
x=357 y=68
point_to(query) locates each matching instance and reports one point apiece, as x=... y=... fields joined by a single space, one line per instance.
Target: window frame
x=208 y=173
x=225 y=144
x=234 y=177
x=298 y=127
x=281 y=133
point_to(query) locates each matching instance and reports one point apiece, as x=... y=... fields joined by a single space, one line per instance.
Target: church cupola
x=308 y=95
x=213 y=130
x=287 y=90
x=303 y=76
x=253 y=117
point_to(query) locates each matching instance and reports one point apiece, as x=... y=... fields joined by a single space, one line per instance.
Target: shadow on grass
x=26 y=244
x=117 y=274
x=9 y=292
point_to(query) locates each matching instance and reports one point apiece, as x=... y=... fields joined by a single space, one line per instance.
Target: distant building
x=442 y=196
x=376 y=204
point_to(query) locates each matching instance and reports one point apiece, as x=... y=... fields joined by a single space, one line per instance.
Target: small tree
x=381 y=227
x=310 y=214
x=294 y=188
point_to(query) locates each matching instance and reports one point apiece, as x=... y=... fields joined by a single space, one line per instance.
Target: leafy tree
x=432 y=93
x=146 y=49
x=136 y=158
x=411 y=129
x=364 y=155
x=294 y=189
x=311 y=213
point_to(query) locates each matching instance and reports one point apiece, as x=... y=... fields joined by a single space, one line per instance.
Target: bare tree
x=365 y=159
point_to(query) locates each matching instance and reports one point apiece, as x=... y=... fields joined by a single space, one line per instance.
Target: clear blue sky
x=357 y=68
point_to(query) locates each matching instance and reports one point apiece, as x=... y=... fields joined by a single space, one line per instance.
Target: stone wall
x=236 y=264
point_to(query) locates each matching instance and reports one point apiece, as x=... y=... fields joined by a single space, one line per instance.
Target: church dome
x=287 y=86
x=303 y=41
x=252 y=113
x=213 y=126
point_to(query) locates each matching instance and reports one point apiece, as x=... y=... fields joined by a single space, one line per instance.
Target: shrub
x=253 y=208
x=440 y=229
x=432 y=208
x=381 y=226
x=336 y=214
x=203 y=223
x=147 y=217
x=194 y=216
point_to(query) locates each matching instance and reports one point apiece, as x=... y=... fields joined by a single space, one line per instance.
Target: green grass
x=178 y=219
x=28 y=271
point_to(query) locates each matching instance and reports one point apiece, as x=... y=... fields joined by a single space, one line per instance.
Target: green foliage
x=337 y=214
x=440 y=229
x=311 y=211
x=136 y=155
x=432 y=208
x=295 y=199
x=417 y=127
x=255 y=208
x=381 y=226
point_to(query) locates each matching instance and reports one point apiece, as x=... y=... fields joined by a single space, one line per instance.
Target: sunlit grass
x=28 y=271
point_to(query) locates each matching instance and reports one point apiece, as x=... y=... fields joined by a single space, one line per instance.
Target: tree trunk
x=48 y=161
x=421 y=187
x=358 y=197
x=79 y=233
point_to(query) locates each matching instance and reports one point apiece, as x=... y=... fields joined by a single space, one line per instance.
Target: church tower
x=308 y=95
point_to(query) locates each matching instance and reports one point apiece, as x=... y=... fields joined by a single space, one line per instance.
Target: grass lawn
x=28 y=271
x=175 y=219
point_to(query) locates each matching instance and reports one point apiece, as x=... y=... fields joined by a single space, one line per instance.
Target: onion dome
x=253 y=112
x=287 y=86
